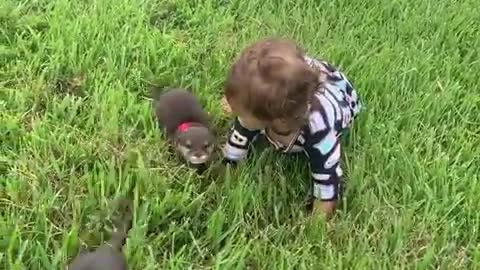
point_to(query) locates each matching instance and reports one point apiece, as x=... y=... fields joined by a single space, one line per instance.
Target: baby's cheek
x=285 y=127
x=298 y=124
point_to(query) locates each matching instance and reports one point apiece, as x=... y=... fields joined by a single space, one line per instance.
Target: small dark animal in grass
x=186 y=124
x=108 y=256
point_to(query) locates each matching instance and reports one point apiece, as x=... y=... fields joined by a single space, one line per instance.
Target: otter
x=108 y=256
x=186 y=123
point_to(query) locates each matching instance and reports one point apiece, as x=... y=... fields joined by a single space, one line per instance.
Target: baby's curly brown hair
x=271 y=80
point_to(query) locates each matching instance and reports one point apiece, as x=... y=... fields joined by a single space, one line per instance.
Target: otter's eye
x=188 y=144
x=206 y=144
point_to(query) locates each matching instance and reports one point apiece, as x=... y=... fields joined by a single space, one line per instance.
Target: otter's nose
x=200 y=155
x=198 y=158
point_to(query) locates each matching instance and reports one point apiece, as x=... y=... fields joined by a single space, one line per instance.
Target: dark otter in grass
x=186 y=124
x=108 y=256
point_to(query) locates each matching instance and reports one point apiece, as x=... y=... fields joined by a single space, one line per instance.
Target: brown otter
x=108 y=256
x=186 y=124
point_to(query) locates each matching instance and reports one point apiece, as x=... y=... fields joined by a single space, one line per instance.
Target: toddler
x=298 y=103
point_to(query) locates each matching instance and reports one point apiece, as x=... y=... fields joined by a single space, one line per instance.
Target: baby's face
x=292 y=122
x=289 y=125
x=195 y=145
x=283 y=126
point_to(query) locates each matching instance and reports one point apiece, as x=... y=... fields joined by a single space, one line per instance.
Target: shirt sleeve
x=320 y=64
x=239 y=140
x=323 y=150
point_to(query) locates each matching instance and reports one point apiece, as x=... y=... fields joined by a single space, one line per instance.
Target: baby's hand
x=324 y=208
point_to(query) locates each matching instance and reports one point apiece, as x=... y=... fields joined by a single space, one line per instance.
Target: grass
x=77 y=132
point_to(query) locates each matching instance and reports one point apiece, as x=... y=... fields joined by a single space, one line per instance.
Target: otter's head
x=195 y=144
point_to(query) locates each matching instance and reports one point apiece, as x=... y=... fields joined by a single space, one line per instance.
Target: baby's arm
x=240 y=137
x=321 y=64
x=323 y=150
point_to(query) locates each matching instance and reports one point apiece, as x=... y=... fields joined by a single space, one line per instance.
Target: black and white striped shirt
x=332 y=110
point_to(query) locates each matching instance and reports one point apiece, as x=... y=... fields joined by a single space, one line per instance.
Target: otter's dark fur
x=176 y=106
x=108 y=256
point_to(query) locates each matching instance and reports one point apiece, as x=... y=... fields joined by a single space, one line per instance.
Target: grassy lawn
x=77 y=132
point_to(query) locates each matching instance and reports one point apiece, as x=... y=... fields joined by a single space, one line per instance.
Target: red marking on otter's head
x=184 y=127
